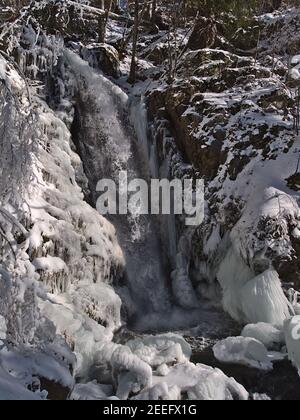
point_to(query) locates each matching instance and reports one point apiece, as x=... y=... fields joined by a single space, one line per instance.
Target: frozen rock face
x=74 y=250
x=235 y=126
x=58 y=255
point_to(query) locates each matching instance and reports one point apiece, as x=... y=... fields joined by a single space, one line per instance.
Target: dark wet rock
x=247 y=38
x=56 y=391
x=160 y=20
x=293 y=182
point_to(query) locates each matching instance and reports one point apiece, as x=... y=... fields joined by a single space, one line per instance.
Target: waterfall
x=106 y=141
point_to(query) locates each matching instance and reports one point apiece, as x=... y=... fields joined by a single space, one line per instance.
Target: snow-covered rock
x=292 y=339
x=131 y=372
x=267 y=334
x=202 y=382
x=243 y=350
x=234 y=123
x=161 y=349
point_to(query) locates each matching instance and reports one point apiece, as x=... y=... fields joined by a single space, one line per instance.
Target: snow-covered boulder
x=161 y=349
x=102 y=56
x=267 y=334
x=244 y=351
x=45 y=372
x=131 y=373
x=202 y=382
x=11 y=389
x=292 y=339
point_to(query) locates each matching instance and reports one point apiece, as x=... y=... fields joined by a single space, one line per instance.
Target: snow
x=267 y=334
x=292 y=339
x=244 y=351
x=3 y=328
x=295 y=60
x=2 y=68
x=294 y=74
x=12 y=390
x=91 y=391
x=51 y=264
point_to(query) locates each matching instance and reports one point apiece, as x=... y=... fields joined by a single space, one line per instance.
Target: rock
x=102 y=56
x=157 y=53
x=56 y=391
x=293 y=182
x=247 y=38
x=160 y=21
x=203 y=35
x=293 y=78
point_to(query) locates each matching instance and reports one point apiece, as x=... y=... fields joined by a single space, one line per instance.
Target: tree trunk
x=154 y=7
x=132 y=75
x=102 y=23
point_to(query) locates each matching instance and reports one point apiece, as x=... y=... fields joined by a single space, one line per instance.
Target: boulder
x=102 y=56
x=203 y=35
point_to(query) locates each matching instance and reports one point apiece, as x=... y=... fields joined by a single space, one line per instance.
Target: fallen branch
x=100 y=12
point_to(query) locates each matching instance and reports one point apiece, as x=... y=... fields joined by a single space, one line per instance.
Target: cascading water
x=103 y=137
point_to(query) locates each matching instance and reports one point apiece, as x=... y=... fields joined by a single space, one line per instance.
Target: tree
x=103 y=20
x=132 y=75
x=154 y=8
